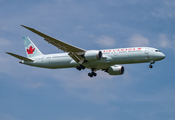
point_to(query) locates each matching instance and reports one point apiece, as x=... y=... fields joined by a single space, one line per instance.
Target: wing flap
x=19 y=57
x=76 y=57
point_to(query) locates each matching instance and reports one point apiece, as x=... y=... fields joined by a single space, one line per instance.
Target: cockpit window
x=157 y=51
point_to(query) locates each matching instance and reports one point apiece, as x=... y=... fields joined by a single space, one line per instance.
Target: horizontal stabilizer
x=19 y=57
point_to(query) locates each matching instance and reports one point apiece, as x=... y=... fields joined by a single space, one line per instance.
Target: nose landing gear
x=150 y=66
x=151 y=62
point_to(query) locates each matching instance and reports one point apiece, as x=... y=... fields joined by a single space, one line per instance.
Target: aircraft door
x=146 y=51
x=116 y=53
x=49 y=59
x=42 y=59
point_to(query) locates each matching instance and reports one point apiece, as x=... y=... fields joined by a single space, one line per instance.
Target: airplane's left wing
x=73 y=51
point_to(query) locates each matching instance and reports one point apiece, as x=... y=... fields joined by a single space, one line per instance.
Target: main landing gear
x=152 y=62
x=92 y=73
x=81 y=67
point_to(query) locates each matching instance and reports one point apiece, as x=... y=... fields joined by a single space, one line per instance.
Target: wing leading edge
x=74 y=52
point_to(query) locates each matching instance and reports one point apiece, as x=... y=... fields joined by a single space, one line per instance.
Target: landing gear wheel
x=78 y=68
x=94 y=74
x=151 y=62
x=81 y=67
x=150 y=66
x=90 y=74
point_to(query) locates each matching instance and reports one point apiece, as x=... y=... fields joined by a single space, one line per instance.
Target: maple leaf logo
x=30 y=50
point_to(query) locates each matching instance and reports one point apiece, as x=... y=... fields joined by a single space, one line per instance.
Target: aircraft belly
x=100 y=63
x=53 y=63
x=64 y=62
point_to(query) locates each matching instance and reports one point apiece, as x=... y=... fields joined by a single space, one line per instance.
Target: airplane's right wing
x=73 y=51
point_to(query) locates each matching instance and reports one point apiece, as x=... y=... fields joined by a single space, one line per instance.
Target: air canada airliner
x=108 y=60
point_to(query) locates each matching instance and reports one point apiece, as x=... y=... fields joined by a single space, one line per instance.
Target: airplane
x=107 y=60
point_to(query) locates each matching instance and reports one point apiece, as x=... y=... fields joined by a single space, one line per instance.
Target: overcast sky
x=30 y=93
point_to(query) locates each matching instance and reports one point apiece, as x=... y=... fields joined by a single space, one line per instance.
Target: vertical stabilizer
x=30 y=48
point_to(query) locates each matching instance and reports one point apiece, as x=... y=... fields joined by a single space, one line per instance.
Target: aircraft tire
x=94 y=74
x=82 y=67
x=78 y=68
x=150 y=66
x=90 y=74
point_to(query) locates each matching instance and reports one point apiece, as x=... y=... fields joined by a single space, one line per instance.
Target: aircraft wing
x=73 y=51
x=57 y=43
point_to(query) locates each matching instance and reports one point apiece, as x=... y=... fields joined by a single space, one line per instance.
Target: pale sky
x=141 y=93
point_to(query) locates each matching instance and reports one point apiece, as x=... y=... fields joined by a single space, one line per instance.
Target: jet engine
x=115 y=70
x=93 y=55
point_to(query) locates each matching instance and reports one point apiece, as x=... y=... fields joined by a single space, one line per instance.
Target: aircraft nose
x=162 y=56
x=159 y=56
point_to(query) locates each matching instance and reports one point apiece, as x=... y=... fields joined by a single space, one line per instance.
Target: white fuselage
x=110 y=57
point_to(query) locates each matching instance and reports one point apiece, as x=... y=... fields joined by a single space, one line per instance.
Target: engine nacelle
x=93 y=55
x=115 y=70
